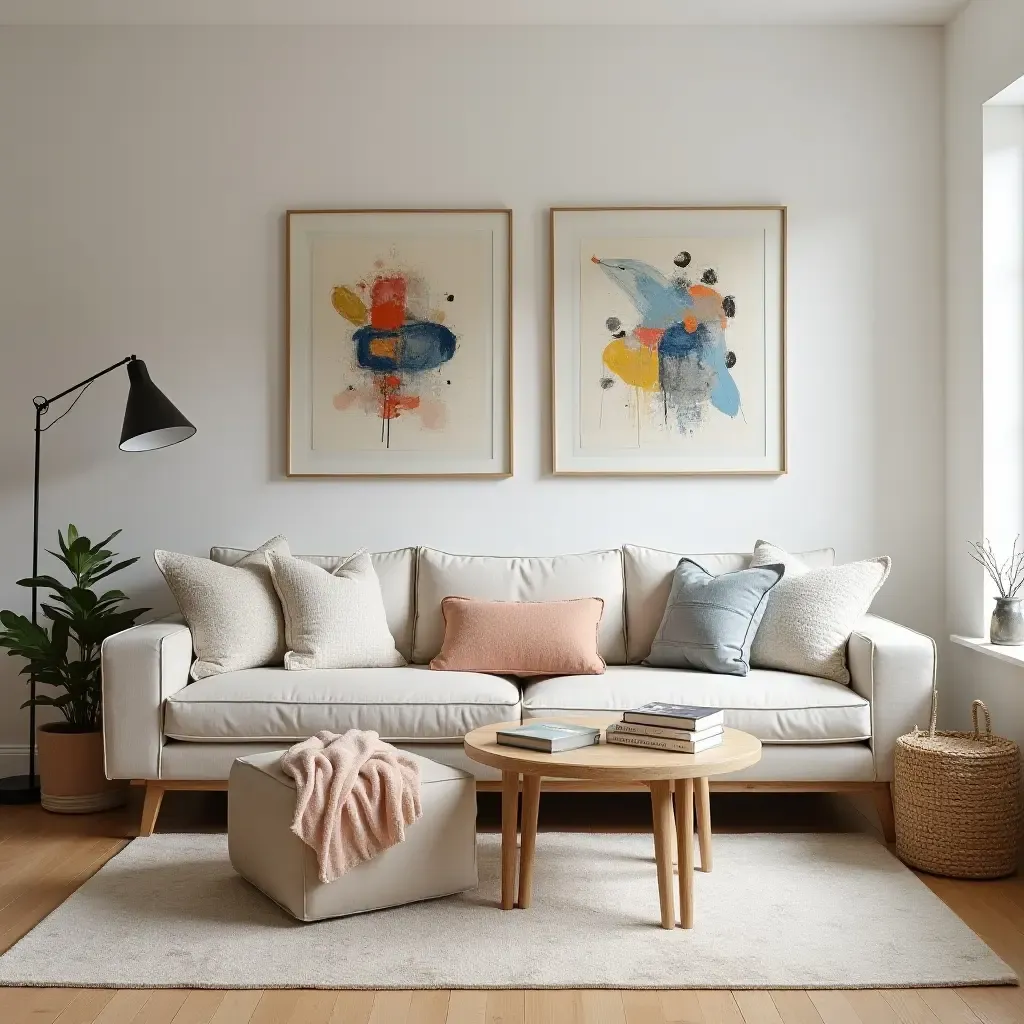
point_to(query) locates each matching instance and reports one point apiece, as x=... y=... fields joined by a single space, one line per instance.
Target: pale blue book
x=549 y=738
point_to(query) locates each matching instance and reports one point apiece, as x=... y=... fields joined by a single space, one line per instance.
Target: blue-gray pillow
x=710 y=621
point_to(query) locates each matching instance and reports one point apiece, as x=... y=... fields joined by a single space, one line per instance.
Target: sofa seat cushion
x=402 y=704
x=776 y=707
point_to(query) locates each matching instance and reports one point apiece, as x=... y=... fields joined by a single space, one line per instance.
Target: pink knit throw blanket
x=355 y=795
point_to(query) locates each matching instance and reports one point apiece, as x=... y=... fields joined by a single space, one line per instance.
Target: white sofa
x=163 y=730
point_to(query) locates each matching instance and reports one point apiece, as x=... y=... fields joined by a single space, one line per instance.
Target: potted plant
x=1007 y=624
x=67 y=658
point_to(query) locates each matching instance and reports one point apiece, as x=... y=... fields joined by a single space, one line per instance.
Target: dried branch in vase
x=1008 y=576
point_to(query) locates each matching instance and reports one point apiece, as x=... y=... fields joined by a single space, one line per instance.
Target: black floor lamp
x=150 y=421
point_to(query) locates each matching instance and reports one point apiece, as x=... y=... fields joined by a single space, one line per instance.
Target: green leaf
x=42 y=582
x=11 y=620
x=60 y=558
x=106 y=540
x=52 y=612
x=116 y=568
x=72 y=533
x=45 y=701
x=59 y=638
x=96 y=630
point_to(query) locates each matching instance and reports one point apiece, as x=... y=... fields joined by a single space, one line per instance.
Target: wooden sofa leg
x=883 y=804
x=151 y=807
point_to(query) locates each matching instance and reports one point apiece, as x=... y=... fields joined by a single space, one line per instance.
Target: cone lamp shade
x=151 y=419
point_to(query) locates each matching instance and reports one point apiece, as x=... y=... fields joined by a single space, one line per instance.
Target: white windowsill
x=1013 y=655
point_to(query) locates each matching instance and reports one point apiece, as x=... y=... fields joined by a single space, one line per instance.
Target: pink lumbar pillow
x=521 y=638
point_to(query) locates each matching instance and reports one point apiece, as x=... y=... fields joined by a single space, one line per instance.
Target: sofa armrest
x=894 y=668
x=140 y=668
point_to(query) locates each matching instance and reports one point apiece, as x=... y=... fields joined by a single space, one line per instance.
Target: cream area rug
x=779 y=910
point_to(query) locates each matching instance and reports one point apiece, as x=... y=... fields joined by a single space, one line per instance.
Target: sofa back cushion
x=649 y=572
x=492 y=578
x=395 y=571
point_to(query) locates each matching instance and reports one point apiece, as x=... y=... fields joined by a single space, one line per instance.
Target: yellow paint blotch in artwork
x=637 y=367
x=349 y=305
x=437 y=315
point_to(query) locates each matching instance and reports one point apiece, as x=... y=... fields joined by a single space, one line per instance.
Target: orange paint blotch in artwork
x=345 y=399
x=702 y=291
x=386 y=347
x=594 y=259
x=408 y=402
x=387 y=303
x=706 y=307
x=391 y=402
x=649 y=337
x=690 y=323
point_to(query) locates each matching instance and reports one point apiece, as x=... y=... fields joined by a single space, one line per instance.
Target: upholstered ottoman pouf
x=438 y=857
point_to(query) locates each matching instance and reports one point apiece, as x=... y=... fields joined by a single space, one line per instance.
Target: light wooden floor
x=44 y=858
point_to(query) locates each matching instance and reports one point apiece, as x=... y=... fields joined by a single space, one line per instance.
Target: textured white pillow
x=333 y=619
x=812 y=612
x=232 y=610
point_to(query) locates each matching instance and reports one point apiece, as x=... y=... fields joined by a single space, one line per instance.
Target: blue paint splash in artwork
x=658 y=300
x=693 y=363
x=419 y=345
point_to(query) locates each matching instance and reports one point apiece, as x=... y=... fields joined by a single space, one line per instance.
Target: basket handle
x=935 y=707
x=975 y=705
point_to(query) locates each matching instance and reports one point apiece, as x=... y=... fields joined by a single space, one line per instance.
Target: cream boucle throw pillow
x=812 y=612
x=232 y=610
x=333 y=619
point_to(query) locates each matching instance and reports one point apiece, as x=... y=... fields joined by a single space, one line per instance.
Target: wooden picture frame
x=399 y=343
x=658 y=369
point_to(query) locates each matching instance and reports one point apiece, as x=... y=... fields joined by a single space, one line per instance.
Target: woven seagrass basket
x=957 y=800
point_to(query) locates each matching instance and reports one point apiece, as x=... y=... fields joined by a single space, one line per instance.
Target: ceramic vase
x=1007 y=627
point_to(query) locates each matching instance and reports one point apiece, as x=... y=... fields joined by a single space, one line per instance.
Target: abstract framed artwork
x=668 y=340
x=399 y=343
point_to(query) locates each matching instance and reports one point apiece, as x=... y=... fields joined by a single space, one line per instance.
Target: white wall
x=984 y=54
x=143 y=178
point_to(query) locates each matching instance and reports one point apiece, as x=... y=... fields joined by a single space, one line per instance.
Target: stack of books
x=681 y=728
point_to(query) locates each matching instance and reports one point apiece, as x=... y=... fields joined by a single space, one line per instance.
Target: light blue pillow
x=710 y=621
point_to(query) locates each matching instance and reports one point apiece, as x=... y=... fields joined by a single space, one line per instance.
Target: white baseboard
x=14 y=759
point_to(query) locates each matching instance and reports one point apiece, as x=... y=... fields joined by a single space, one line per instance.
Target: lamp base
x=19 y=789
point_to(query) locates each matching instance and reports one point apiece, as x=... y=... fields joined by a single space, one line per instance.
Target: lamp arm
x=43 y=404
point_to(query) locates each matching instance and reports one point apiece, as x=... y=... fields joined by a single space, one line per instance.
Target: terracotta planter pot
x=71 y=772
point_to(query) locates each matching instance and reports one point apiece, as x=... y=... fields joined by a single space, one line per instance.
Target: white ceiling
x=478 y=12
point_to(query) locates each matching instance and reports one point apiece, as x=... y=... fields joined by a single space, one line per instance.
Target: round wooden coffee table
x=611 y=764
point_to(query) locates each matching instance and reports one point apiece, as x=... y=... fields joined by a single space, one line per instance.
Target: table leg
x=684 y=839
x=661 y=804
x=704 y=823
x=531 y=808
x=509 y=815
x=672 y=840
